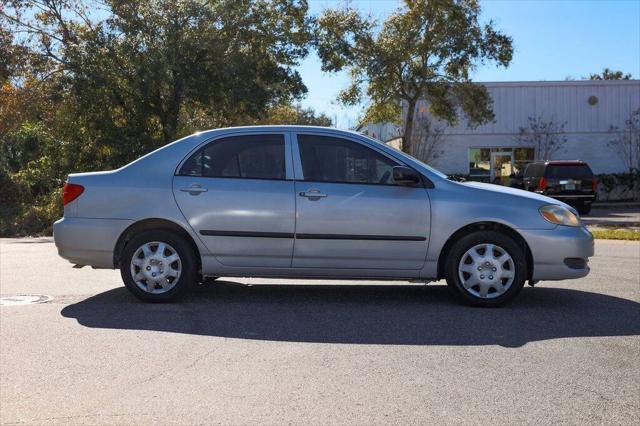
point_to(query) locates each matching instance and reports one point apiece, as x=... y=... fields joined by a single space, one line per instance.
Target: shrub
x=619 y=186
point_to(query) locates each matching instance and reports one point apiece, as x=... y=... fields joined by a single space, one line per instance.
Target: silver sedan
x=308 y=202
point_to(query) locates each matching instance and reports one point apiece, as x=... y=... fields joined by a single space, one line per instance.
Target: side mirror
x=405 y=176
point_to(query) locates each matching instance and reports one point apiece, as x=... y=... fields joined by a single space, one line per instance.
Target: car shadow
x=387 y=315
x=27 y=240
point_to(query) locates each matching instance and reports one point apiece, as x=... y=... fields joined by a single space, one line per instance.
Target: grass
x=615 y=234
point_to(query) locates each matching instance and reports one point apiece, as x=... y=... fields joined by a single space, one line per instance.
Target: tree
x=135 y=76
x=627 y=141
x=294 y=114
x=425 y=50
x=429 y=139
x=91 y=85
x=608 y=74
x=546 y=137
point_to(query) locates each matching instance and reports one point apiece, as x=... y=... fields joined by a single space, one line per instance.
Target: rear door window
x=247 y=156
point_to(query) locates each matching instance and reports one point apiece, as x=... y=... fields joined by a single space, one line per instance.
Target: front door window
x=331 y=159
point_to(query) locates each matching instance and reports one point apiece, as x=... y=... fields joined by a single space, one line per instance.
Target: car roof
x=277 y=127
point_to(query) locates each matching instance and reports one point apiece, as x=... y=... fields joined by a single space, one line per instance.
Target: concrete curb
x=616 y=205
x=609 y=224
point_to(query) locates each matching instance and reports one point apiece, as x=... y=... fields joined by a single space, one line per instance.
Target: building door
x=501 y=167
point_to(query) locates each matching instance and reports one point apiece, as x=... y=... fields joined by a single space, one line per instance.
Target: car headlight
x=559 y=215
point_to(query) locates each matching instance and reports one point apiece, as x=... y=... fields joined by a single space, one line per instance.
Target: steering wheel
x=385 y=177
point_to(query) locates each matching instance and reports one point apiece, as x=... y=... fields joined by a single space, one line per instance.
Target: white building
x=588 y=109
x=384 y=132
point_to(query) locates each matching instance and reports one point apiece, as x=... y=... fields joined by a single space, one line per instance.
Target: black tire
x=188 y=274
x=584 y=209
x=462 y=245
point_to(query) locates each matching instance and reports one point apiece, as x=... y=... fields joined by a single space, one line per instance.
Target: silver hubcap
x=486 y=271
x=156 y=267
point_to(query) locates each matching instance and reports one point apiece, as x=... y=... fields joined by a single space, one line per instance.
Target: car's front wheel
x=486 y=268
x=158 y=266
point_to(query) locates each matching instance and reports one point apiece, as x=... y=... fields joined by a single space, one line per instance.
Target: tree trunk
x=171 y=113
x=407 y=138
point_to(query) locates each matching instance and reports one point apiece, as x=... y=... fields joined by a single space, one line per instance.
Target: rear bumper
x=88 y=241
x=550 y=248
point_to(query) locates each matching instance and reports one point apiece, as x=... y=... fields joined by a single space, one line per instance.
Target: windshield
x=426 y=166
x=431 y=169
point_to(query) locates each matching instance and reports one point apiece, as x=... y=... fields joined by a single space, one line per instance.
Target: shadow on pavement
x=27 y=240
x=391 y=315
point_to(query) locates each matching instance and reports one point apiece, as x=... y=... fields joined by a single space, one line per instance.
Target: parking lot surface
x=247 y=351
x=619 y=216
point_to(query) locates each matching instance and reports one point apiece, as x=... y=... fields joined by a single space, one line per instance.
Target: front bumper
x=550 y=248
x=88 y=241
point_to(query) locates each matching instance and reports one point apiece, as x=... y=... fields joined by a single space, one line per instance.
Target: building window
x=480 y=163
x=522 y=157
x=499 y=164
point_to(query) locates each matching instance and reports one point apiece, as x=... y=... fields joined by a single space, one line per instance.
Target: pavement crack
x=606 y=398
x=198 y=359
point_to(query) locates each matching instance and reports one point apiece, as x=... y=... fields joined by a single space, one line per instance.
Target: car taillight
x=594 y=184
x=70 y=192
x=542 y=184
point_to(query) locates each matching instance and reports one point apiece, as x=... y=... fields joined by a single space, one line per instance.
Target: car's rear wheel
x=158 y=266
x=486 y=268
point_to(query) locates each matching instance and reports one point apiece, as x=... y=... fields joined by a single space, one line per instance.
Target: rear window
x=568 y=171
x=533 y=170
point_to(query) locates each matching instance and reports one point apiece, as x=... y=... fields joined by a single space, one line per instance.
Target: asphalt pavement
x=252 y=351
x=618 y=216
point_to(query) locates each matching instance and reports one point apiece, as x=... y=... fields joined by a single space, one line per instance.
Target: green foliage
x=83 y=91
x=294 y=114
x=608 y=74
x=425 y=50
x=615 y=234
x=625 y=186
x=32 y=171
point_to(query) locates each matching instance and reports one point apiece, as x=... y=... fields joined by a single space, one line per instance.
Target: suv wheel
x=158 y=266
x=486 y=268
x=584 y=208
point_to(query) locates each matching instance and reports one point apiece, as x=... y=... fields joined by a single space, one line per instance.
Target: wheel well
x=484 y=226
x=147 y=224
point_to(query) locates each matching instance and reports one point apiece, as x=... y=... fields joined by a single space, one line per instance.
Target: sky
x=553 y=40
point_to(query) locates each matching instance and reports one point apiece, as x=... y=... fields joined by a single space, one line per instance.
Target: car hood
x=512 y=191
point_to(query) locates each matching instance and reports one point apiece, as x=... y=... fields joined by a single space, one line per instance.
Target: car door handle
x=312 y=193
x=194 y=189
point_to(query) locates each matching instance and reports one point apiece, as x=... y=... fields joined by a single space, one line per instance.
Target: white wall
x=587 y=126
x=589 y=147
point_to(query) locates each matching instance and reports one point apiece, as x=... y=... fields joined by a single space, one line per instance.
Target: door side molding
x=359 y=237
x=250 y=234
